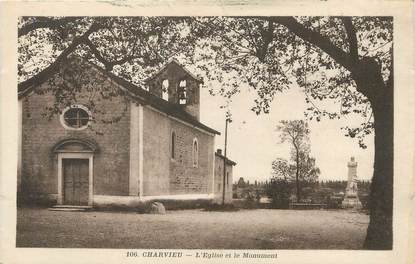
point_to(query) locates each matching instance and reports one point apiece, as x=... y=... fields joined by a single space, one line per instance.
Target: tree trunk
x=297 y=172
x=379 y=233
x=297 y=184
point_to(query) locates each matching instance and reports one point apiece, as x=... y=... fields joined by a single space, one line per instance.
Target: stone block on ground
x=157 y=208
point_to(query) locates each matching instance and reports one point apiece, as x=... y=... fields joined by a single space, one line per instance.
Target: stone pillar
x=351 y=198
x=135 y=148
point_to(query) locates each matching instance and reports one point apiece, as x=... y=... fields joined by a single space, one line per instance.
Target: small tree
x=303 y=169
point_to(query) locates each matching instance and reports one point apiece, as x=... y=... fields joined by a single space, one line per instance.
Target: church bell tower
x=175 y=84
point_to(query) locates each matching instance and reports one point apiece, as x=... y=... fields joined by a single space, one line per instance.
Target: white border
x=403 y=139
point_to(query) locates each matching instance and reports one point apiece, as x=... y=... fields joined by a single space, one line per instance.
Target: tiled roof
x=228 y=161
x=173 y=61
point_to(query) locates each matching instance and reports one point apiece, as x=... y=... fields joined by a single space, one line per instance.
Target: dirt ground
x=193 y=229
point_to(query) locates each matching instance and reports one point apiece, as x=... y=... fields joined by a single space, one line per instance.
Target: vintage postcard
x=207 y=132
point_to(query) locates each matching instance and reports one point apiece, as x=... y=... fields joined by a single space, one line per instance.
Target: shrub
x=365 y=200
x=279 y=192
x=334 y=202
x=321 y=195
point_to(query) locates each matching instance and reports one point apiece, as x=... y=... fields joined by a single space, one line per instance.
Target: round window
x=75 y=117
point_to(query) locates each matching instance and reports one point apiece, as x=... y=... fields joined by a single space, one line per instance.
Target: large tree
x=346 y=60
x=343 y=59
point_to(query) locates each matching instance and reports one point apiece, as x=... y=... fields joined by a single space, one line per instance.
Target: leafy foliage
x=281 y=169
x=269 y=54
x=65 y=52
x=302 y=168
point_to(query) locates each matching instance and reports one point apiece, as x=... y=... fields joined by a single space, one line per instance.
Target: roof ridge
x=170 y=61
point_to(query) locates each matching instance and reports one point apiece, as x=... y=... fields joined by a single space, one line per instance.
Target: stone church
x=157 y=149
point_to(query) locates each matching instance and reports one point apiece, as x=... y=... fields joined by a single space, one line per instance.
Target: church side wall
x=156 y=127
x=39 y=135
x=164 y=175
x=184 y=177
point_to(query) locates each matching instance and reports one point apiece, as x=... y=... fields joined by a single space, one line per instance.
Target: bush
x=307 y=193
x=279 y=192
x=365 y=200
x=321 y=195
x=334 y=202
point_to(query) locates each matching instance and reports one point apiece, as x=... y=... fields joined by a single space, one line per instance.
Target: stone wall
x=184 y=176
x=219 y=180
x=164 y=175
x=39 y=135
x=156 y=127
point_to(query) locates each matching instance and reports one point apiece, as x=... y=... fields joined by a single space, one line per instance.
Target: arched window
x=173 y=145
x=195 y=153
x=165 y=89
x=182 y=92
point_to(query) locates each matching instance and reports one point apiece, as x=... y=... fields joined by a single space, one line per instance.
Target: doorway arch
x=75 y=163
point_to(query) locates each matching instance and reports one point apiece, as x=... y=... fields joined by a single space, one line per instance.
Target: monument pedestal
x=351 y=199
x=351 y=202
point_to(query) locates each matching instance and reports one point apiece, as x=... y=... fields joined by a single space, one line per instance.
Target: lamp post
x=228 y=120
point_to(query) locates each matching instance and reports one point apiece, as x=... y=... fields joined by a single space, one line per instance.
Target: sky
x=253 y=142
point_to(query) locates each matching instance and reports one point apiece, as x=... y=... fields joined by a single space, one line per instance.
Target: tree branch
x=267 y=37
x=53 y=67
x=108 y=65
x=351 y=35
x=44 y=23
x=315 y=38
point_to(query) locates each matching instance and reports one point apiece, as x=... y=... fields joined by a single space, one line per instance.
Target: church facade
x=146 y=144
